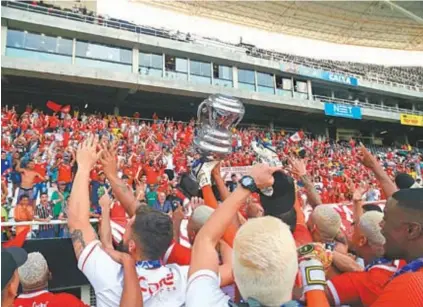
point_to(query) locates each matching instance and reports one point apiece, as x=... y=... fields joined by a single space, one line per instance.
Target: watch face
x=247 y=181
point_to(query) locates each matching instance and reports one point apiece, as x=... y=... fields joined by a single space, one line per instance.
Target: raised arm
x=124 y=195
x=79 y=225
x=220 y=183
x=204 y=255
x=368 y=160
x=299 y=169
x=105 y=229
x=358 y=202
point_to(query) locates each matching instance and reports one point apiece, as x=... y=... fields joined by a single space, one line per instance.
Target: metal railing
x=190 y=38
x=35 y=223
x=367 y=105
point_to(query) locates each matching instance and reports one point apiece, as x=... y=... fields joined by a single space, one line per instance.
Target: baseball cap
x=11 y=259
x=283 y=197
x=404 y=181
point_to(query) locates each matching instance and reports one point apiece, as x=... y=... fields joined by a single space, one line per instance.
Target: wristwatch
x=247 y=182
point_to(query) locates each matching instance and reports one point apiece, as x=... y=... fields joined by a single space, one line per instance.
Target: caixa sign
x=341 y=79
x=342 y=110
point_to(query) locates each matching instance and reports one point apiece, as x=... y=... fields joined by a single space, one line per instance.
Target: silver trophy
x=217 y=116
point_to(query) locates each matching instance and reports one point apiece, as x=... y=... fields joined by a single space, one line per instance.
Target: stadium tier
x=113 y=192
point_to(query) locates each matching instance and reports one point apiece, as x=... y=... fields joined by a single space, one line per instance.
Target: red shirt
x=404 y=290
x=302 y=235
x=117 y=212
x=177 y=253
x=44 y=298
x=40 y=168
x=365 y=287
x=152 y=174
x=65 y=172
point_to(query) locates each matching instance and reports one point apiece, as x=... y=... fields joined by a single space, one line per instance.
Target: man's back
x=44 y=298
x=163 y=286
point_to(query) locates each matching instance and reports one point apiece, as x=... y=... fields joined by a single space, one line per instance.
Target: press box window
x=246 y=79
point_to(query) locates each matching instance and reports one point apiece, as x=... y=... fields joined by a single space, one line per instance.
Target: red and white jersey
x=164 y=286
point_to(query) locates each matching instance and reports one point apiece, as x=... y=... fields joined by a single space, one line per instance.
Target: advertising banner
x=239 y=171
x=318 y=74
x=341 y=110
x=411 y=120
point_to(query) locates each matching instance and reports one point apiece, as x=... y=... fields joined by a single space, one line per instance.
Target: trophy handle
x=200 y=107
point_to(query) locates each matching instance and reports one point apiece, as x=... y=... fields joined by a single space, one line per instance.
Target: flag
x=296 y=137
x=53 y=106
x=66 y=109
x=17 y=241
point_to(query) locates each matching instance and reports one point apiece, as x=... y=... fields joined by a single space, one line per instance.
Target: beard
x=122 y=247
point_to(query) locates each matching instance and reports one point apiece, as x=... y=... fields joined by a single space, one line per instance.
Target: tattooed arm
x=79 y=225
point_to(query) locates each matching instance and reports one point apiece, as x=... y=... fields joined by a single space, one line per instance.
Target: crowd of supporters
x=211 y=239
x=38 y=162
x=411 y=76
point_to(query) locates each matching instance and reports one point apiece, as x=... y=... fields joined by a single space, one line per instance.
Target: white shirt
x=204 y=290
x=164 y=287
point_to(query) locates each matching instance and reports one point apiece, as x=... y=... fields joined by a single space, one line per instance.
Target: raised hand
x=87 y=155
x=105 y=201
x=298 y=167
x=196 y=202
x=366 y=158
x=263 y=175
x=360 y=191
x=109 y=162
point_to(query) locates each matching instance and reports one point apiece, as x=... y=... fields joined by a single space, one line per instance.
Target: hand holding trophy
x=217 y=116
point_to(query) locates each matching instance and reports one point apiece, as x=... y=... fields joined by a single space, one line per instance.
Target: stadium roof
x=383 y=24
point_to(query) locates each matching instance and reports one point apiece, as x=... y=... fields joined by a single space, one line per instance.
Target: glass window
x=200 y=68
x=264 y=79
x=64 y=46
x=48 y=43
x=103 y=52
x=32 y=41
x=15 y=38
x=39 y=42
x=246 y=76
x=181 y=65
x=222 y=72
x=151 y=60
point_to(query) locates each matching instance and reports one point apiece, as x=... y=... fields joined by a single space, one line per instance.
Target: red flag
x=19 y=240
x=296 y=137
x=66 y=109
x=53 y=106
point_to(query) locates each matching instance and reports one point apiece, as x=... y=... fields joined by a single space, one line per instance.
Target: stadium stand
x=409 y=77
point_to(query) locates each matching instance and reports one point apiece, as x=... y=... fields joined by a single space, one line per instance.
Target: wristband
x=312 y=275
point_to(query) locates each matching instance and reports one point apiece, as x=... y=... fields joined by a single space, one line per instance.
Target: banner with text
x=318 y=74
x=411 y=120
x=239 y=171
x=341 y=110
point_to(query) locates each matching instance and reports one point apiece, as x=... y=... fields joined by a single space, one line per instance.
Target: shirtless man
x=28 y=179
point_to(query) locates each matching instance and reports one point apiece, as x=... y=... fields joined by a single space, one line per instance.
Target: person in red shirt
x=39 y=183
x=363 y=288
x=65 y=172
x=403 y=232
x=34 y=276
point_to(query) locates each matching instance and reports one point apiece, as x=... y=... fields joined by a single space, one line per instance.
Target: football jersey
x=177 y=253
x=44 y=298
x=365 y=287
x=164 y=286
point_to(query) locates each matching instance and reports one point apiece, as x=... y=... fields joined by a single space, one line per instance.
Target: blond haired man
x=265 y=257
x=364 y=287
